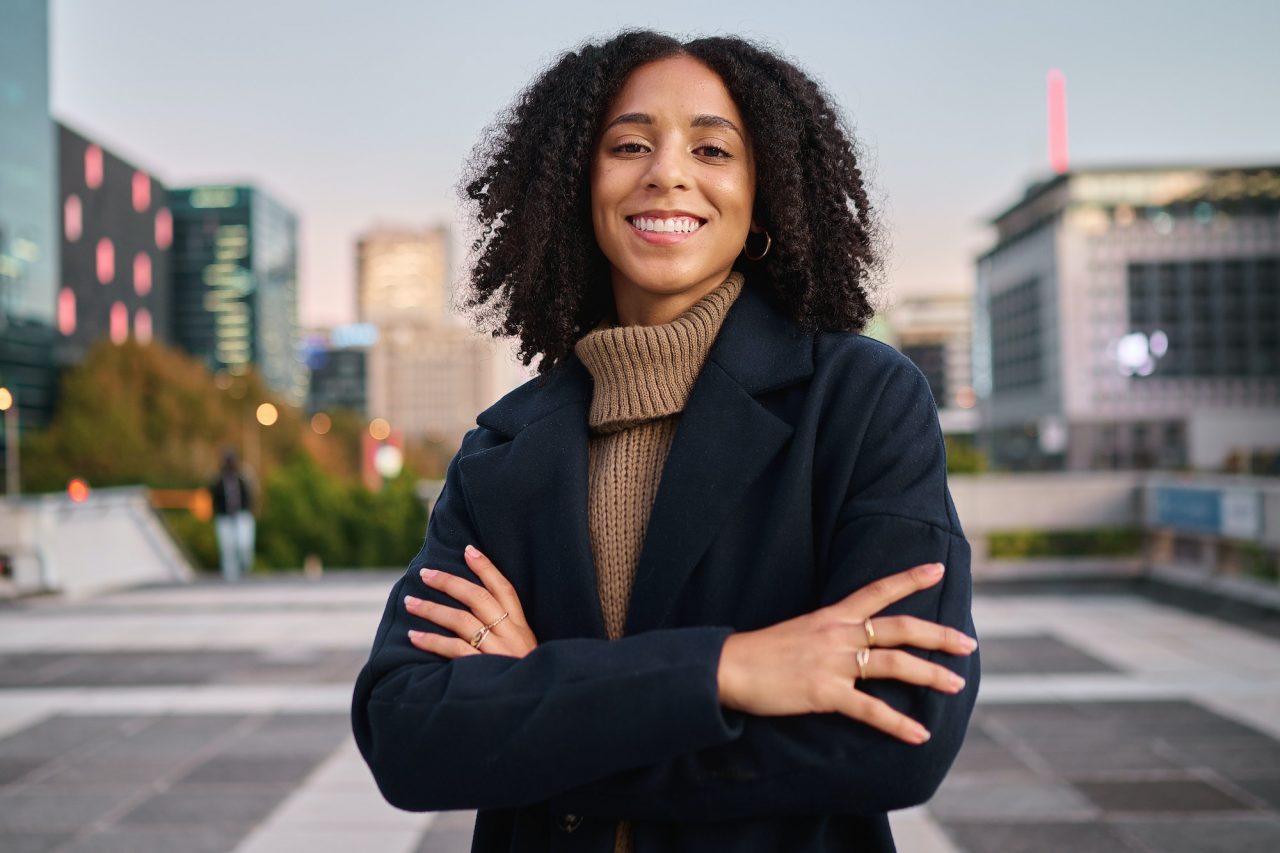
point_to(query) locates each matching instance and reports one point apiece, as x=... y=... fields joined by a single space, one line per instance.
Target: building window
x=1219 y=316
x=141 y=191
x=164 y=228
x=67 y=311
x=93 y=167
x=142 y=325
x=1016 y=341
x=142 y=273
x=119 y=323
x=72 y=218
x=106 y=260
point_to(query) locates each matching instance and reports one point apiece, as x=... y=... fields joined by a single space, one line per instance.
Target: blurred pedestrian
x=233 y=519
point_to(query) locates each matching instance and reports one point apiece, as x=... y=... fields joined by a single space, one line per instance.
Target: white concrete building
x=1130 y=318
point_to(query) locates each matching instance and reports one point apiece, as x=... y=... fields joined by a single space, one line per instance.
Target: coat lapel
x=542 y=474
x=724 y=440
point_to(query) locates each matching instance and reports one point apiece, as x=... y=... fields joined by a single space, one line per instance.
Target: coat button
x=570 y=822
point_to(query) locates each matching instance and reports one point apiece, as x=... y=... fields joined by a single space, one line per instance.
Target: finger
x=477 y=599
x=449 y=647
x=912 y=631
x=878 y=714
x=882 y=592
x=904 y=666
x=455 y=619
x=494 y=581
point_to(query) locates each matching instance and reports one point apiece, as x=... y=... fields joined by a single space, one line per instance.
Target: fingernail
x=970 y=643
x=922 y=734
x=472 y=551
x=410 y=600
x=957 y=682
x=413 y=635
x=427 y=574
x=938 y=569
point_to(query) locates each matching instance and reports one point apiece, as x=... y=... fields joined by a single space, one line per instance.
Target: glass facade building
x=28 y=216
x=235 y=284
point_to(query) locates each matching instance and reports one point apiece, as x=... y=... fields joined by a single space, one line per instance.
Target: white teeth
x=683 y=224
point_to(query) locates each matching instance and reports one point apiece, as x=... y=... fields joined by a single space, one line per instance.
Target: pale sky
x=356 y=114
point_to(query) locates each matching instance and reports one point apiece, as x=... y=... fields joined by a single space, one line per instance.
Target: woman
x=642 y=616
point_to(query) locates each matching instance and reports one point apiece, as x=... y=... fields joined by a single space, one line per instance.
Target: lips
x=664 y=228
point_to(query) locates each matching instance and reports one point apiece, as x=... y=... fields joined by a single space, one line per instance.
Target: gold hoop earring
x=768 y=242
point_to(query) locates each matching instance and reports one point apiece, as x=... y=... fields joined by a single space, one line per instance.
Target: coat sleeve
x=494 y=731
x=896 y=513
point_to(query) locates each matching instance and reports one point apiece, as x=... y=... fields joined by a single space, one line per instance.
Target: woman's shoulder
x=859 y=365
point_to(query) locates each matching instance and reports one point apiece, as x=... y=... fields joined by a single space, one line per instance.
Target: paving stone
x=1266 y=788
x=1255 y=756
x=252 y=770
x=1037 y=654
x=450 y=832
x=986 y=758
x=32 y=842
x=1160 y=795
x=94 y=771
x=189 y=804
x=14 y=769
x=58 y=735
x=188 y=839
x=1203 y=835
x=1005 y=798
x=1056 y=837
x=27 y=811
x=1101 y=758
x=1170 y=719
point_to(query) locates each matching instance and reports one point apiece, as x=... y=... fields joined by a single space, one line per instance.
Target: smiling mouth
x=671 y=225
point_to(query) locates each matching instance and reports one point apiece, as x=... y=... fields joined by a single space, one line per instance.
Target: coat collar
x=758 y=347
x=724 y=439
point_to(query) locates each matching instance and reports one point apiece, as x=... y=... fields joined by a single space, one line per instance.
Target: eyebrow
x=703 y=120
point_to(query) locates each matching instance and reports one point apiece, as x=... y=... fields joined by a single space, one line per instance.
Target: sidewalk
x=213 y=718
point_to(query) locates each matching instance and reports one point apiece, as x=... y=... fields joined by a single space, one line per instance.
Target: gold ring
x=496 y=621
x=870 y=632
x=863 y=656
x=479 y=637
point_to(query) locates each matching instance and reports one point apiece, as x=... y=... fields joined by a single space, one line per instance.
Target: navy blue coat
x=804 y=467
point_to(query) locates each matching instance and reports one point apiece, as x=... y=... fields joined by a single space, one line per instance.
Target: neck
x=635 y=306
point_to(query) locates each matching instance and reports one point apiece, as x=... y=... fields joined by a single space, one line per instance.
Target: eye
x=720 y=155
x=627 y=148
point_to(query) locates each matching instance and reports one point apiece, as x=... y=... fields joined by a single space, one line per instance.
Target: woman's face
x=673 y=181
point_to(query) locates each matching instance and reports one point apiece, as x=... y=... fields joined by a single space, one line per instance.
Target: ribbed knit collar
x=646 y=372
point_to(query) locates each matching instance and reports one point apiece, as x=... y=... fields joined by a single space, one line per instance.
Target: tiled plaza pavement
x=211 y=718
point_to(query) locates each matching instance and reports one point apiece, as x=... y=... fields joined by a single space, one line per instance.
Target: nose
x=666 y=169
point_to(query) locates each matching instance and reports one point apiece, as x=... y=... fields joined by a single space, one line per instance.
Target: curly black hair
x=548 y=285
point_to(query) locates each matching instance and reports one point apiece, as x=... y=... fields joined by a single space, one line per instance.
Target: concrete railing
x=111 y=540
x=1199 y=522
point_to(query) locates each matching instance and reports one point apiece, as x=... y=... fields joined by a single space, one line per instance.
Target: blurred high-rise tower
x=235 y=283
x=29 y=245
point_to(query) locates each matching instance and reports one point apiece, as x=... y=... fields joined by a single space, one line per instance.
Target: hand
x=486 y=604
x=808 y=665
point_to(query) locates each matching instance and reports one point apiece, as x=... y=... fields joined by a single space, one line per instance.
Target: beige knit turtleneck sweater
x=642 y=379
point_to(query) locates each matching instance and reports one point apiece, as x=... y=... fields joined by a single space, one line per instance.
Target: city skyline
x=948 y=102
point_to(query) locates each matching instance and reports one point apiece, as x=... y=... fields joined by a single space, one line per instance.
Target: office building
x=28 y=212
x=338 y=359
x=403 y=273
x=235 y=284
x=1130 y=318
x=934 y=331
x=116 y=234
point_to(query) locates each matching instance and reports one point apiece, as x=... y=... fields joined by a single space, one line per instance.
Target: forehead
x=676 y=87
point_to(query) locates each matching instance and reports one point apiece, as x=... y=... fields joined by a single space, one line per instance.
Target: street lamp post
x=9 y=405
